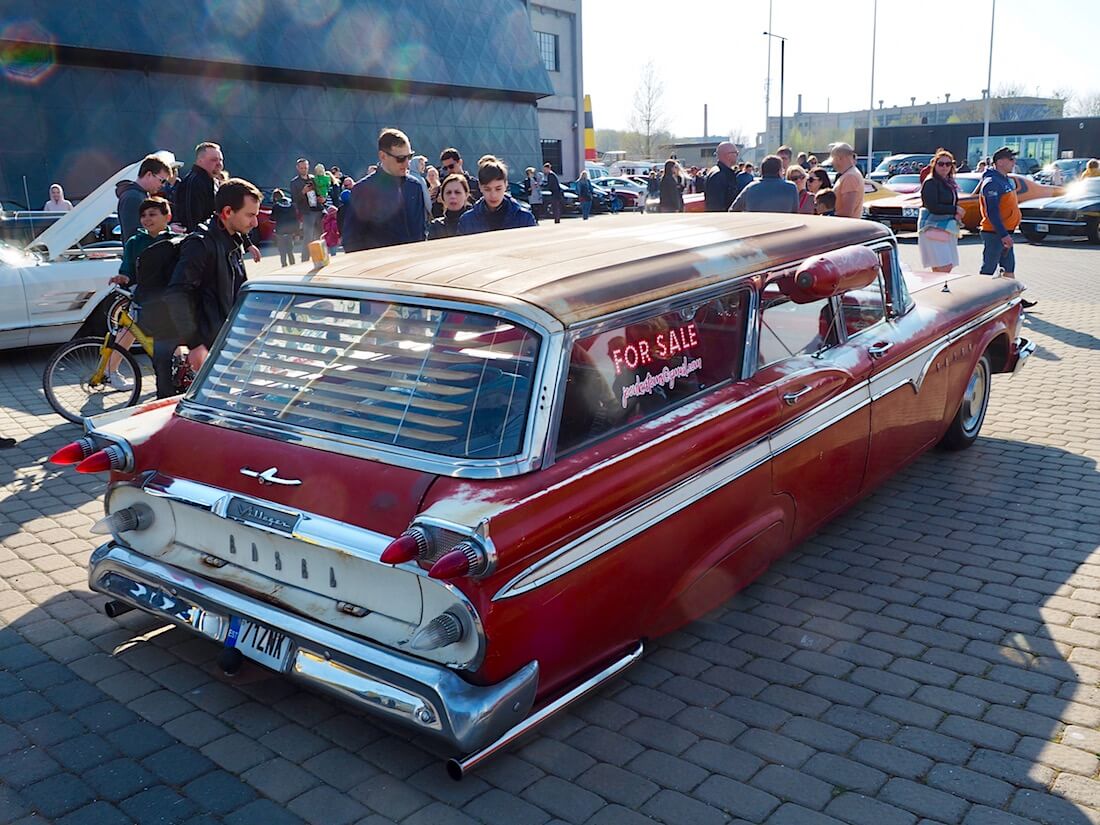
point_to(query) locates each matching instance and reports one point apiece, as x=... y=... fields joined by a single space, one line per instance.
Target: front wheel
x=967 y=422
x=1033 y=236
x=1092 y=229
x=67 y=380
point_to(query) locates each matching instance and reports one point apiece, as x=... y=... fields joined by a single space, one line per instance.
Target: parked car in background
x=899 y=165
x=904 y=184
x=1062 y=172
x=1027 y=166
x=569 y=207
x=55 y=285
x=462 y=483
x=900 y=213
x=1077 y=212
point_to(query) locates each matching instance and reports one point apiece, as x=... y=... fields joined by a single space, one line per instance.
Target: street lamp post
x=871 y=105
x=782 y=61
x=989 y=84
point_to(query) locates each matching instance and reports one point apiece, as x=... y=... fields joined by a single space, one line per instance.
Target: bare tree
x=648 y=117
x=1084 y=105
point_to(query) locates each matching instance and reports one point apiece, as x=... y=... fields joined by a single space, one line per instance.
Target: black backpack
x=154 y=268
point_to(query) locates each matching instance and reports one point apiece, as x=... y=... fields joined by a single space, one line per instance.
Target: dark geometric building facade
x=87 y=86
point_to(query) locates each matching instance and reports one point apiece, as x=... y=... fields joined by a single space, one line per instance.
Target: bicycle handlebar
x=123 y=291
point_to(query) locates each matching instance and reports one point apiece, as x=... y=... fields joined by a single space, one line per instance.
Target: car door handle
x=791 y=398
x=880 y=349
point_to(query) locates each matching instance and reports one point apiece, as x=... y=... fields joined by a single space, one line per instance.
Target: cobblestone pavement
x=931 y=656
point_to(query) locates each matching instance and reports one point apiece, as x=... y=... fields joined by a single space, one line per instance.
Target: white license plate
x=909 y=212
x=1042 y=227
x=259 y=643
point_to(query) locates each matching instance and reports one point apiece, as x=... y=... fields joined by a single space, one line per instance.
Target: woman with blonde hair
x=940 y=215
x=797 y=175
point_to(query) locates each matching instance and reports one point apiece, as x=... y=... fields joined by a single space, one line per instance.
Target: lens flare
x=29 y=55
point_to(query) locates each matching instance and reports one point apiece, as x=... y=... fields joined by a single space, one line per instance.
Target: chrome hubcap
x=974 y=401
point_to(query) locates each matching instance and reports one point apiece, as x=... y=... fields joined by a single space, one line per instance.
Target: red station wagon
x=459 y=484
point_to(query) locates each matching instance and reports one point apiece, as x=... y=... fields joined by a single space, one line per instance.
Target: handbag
x=937 y=227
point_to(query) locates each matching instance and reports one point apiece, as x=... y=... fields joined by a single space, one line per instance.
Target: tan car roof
x=579 y=270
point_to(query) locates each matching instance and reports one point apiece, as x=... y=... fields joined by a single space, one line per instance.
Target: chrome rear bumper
x=422 y=695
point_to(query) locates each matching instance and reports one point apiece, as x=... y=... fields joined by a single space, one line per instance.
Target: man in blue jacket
x=495 y=210
x=769 y=194
x=386 y=208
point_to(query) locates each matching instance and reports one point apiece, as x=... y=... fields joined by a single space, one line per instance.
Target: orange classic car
x=459 y=484
x=900 y=213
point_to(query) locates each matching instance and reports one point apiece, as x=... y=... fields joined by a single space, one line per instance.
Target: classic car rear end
x=458 y=484
x=1076 y=213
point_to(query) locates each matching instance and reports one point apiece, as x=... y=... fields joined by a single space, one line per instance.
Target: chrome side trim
x=820 y=418
x=457 y=768
x=626 y=525
x=426 y=697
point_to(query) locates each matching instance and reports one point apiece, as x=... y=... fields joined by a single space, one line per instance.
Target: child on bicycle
x=155 y=214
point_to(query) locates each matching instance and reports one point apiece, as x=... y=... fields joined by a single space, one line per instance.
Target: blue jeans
x=586 y=209
x=994 y=254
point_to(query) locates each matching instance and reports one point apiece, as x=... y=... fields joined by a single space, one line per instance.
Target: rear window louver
x=443 y=381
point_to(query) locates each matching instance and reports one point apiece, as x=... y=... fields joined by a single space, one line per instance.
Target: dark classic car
x=459 y=484
x=1077 y=212
x=570 y=205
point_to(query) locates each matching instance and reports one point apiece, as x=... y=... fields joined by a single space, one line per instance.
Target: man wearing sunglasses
x=151 y=177
x=450 y=163
x=386 y=208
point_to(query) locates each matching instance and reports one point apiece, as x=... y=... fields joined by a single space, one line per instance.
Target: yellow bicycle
x=90 y=376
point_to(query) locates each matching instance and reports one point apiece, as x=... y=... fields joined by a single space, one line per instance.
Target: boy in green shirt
x=155 y=213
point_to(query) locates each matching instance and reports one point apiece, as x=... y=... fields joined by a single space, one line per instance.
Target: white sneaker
x=118 y=381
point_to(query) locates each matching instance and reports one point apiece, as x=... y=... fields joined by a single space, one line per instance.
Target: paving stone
x=557 y=758
x=671 y=806
x=709 y=723
x=118 y=779
x=794 y=786
x=58 y=795
x=668 y=771
x=723 y=759
x=618 y=815
x=980 y=733
x=818 y=735
x=606 y=745
x=161 y=805
x=279 y=779
x=774 y=747
x=386 y=795
x=845 y=774
x=656 y=733
x=1040 y=806
x=891 y=759
x=511 y=774
x=564 y=799
x=262 y=811
x=924 y=800
x=856 y=809
x=97 y=813
x=937 y=746
x=617 y=785
x=500 y=808
x=236 y=752
x=219 y=792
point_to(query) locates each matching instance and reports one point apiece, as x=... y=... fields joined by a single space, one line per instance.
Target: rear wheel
x=67 y=380
x=967 y=422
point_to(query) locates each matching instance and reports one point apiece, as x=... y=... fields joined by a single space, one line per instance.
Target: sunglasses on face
x=944 y=163
x=400 y=158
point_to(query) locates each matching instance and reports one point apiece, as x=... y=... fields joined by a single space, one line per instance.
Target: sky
x=714 y=52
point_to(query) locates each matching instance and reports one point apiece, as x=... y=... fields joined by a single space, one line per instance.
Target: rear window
x=443 y=381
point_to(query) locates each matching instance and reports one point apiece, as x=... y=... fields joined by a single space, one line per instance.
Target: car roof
x=582 y=270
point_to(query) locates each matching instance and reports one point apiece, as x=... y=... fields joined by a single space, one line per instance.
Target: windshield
x=443 y=381
x=1083 y=188
x=967 y=185
x=904 y=179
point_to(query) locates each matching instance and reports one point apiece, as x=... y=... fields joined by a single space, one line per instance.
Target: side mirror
x=831 y=273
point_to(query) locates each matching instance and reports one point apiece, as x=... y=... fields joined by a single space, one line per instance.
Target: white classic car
x=52 y=288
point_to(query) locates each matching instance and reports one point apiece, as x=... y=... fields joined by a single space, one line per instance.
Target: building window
x=548 y=49
x=551 y=153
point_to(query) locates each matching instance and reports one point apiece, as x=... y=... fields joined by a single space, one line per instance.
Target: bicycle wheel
x=114 y=313
x=67 y=380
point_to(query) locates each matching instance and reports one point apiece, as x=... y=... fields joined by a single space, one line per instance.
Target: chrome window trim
x=534 y=438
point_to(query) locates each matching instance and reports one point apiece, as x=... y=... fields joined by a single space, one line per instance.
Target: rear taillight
x=73 y=453
x=445 y=629
x=414 y=543
x=466 y=559
x=110 y=458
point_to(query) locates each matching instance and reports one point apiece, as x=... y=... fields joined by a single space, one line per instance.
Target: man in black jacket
x=207 y=278
x=386 y=208
x=195 y=193
x=557 y=197
x=722 y=186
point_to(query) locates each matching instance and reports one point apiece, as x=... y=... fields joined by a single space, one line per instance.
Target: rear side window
x=442 y=381
x=639 y=370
